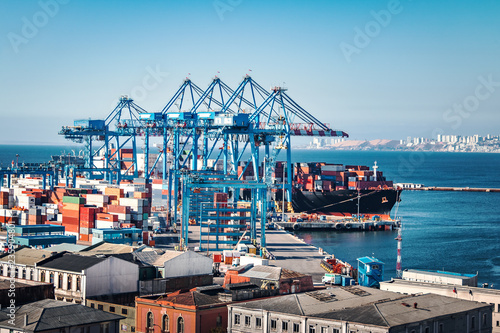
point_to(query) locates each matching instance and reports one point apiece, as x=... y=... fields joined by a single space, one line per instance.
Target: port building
x=359 y=309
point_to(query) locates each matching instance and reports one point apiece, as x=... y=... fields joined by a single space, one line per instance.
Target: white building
x=75 y=277
x=189 y=263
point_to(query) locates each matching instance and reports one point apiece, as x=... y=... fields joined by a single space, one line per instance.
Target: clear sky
x=375 y=69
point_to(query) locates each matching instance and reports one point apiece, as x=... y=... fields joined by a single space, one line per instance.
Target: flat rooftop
x=441 y=273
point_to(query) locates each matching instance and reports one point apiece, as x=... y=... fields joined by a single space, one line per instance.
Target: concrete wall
x=111 y=276
x=187 y=264
x=158 y=286
x=26 y=293
x=127 y=324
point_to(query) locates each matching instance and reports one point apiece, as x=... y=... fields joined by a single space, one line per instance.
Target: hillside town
x=442 y=143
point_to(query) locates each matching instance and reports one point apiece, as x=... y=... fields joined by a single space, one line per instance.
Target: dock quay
x=344 y=225
x=294 y=254
x=287 y=251
x=464 y=189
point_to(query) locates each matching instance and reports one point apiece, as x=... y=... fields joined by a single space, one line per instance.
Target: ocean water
x=453 y=231
x=31 y=154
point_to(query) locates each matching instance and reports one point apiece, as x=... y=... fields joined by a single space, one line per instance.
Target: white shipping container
x=97 y=198
x=100 y=224
x=332 y=168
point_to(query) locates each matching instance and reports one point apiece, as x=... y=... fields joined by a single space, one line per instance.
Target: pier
x=464 y=189
x=294 y=254
x=343 y=225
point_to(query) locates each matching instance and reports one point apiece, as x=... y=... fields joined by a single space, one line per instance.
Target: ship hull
x=345 y=201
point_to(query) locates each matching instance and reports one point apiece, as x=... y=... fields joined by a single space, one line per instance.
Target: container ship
x=334 y=189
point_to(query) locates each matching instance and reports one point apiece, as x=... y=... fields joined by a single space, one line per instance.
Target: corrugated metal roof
x=107 y=248
x=67 y=247
x=71 y=262
x=28 y=256
x=49 y=314
x=263 y=272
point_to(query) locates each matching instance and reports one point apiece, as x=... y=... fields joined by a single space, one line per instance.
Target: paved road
x=289 y=252
x=293 y=254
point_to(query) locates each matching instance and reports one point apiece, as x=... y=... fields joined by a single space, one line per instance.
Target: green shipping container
x=74 y=200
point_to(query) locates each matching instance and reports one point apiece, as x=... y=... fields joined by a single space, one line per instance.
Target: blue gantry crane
x=118 y=130
x=247 y=124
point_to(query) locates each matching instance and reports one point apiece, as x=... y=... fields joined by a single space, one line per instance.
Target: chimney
x=25 y=319
x=415 y=305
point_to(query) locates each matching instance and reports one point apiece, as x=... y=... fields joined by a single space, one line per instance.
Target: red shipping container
x=106 y=217
x=118 y=209
x=84 y=238
x=71 y=228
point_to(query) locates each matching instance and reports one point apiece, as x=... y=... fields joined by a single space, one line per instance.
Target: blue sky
x=417 y=60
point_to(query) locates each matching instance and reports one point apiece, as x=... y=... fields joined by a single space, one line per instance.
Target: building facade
x=181 y=312
x=359 y=309
x=485 y=295
x=76 y=277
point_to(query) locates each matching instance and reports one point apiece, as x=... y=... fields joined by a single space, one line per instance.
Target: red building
x=198 y=310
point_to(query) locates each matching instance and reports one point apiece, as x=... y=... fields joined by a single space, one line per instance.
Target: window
x=247 y=321
x=473 y=322
x=92 y=305
x=150 y=320
x=24 y=274
x=258 y=322
x=42 y=276
x=324 y=330
x=180 y=325
x=111 y=309
x=219 y=321
x=132 y=329
x=412 y=331
x=51 y=277
x=78 y=283
x=100 y=307
x=498 y=307
x=441 y=328
x=427 y=329
x=124 y=311
x=485 y=319
x=236 y=319
x=312 y=329
x=296 y=328
x=165 y=324
x=60 y=283
x=273 y=324
x=336 y=330
x=284 y=326
x=70 y=279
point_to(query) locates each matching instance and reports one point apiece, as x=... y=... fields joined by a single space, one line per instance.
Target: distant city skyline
x=374 y=69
